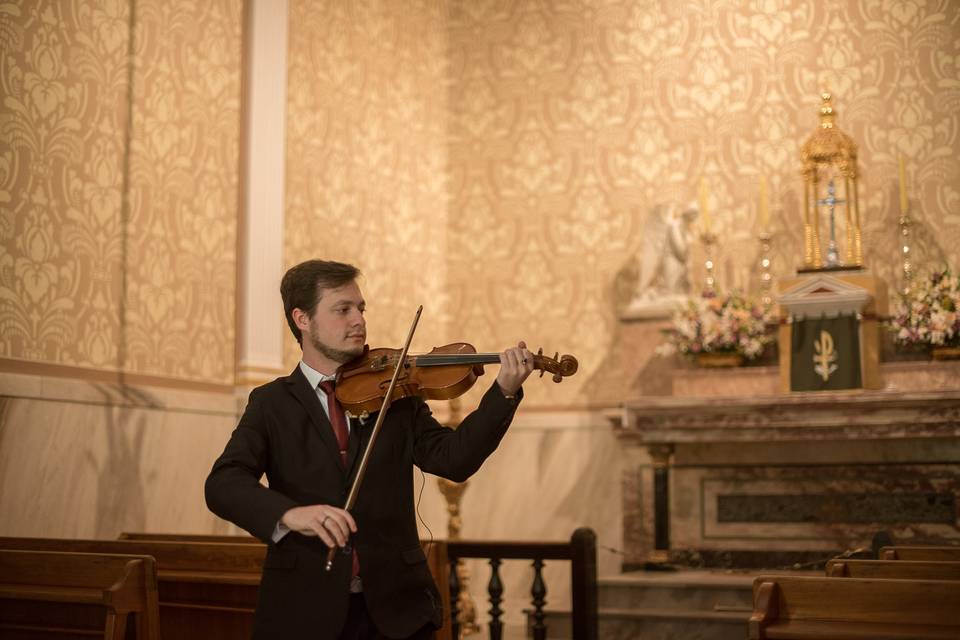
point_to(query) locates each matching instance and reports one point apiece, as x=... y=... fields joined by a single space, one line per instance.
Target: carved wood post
x=463 y=614
x=495 y=589
x=583 y=580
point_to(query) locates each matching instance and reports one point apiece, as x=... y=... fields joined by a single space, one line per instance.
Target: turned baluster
x=539 y=593
x=454 y=584
x=495 y=589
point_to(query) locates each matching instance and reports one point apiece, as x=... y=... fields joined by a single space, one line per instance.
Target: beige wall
x=118 y=219
x=118 y=186
x=367 y=157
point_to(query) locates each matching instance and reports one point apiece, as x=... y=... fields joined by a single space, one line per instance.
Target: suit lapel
x=300 y=388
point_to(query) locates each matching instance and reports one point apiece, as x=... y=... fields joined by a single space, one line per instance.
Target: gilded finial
x=827 y=113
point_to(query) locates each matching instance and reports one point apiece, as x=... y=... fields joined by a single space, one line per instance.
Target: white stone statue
x=663 y=281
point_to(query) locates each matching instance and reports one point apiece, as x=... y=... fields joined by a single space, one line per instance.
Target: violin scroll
x=560 y=368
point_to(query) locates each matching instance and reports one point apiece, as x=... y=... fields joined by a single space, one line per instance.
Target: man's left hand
x=516 y=364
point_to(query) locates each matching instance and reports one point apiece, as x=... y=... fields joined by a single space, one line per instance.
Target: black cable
x=423 y=484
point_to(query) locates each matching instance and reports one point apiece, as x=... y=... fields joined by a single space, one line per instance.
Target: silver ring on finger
x=323 y=523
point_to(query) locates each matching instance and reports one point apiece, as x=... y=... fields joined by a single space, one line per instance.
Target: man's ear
x=301 y=319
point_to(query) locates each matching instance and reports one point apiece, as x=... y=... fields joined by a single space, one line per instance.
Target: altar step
x=655 y=605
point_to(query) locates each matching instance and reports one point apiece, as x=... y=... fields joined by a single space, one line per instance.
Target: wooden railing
x=580 y=551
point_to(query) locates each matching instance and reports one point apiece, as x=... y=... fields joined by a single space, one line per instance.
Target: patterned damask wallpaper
x=367 y=157
x=496 y=160
x=493 y=160
x=89 y=277
x=570 y=119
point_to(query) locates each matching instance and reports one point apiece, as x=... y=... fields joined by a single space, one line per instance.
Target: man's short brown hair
x=302 y=284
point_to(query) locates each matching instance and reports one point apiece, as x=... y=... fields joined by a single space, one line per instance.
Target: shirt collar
x=313 y=376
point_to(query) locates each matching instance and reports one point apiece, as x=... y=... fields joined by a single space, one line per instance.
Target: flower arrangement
x=927 y=315
x=730 y=323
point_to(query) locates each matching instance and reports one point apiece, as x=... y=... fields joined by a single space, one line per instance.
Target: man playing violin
x=293 y=430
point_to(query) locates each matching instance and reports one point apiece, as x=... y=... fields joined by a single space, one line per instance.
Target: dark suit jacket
x=285 y=434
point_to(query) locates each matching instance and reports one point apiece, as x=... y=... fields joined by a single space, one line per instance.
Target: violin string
x=449 y=358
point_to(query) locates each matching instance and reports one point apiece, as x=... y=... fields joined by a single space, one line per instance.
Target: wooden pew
x=928 y=553
x=803 y=608
x=896 y=569
x=187 y=537
x=77 y=595
x=209 y=589
x=206 y=589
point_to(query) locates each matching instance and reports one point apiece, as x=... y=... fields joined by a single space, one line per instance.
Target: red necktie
x=339 y=421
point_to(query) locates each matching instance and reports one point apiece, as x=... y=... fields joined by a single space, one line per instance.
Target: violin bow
x=354 y=488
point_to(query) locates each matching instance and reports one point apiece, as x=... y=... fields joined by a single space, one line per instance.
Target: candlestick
x=704 y=209
x=905 y=262
x=764 y=205
x=904 y=203
x=709 y=282
x=766 y=279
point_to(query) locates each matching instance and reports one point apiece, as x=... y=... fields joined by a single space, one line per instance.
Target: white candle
x=704 y=209
x=764 y=206
x=904 y=203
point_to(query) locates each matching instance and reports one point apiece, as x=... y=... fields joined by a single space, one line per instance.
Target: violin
x=444 y=373
x=377 y=377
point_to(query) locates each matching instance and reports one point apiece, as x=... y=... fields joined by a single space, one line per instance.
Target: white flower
x=928 y=316
x=727 y=323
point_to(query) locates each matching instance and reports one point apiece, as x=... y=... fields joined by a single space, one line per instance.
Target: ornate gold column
x=453 y=493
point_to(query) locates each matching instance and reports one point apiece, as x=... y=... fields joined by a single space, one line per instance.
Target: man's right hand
x=331 y=524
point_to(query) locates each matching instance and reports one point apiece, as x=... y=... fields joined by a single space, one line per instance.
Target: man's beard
x=337 y=355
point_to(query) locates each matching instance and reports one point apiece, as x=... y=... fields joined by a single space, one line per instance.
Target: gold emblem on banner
x=825 y=358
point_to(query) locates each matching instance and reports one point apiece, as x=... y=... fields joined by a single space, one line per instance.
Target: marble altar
x=727 y=471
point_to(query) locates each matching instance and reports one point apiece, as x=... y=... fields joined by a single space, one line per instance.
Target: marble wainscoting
x=770 y=480
x=87 y=459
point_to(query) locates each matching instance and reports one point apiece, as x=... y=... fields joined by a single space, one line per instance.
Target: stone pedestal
x=728 y=472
